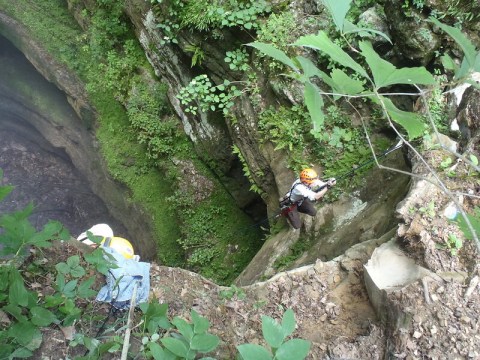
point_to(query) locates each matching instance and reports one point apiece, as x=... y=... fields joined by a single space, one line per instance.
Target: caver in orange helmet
x=307 y=176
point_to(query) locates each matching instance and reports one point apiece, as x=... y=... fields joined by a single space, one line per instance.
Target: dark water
x=41 y=173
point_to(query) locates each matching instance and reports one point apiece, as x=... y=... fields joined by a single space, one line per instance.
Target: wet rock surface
x=44 y=176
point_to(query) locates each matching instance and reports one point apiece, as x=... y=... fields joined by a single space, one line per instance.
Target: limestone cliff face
x=74 y=133
x=211 y=133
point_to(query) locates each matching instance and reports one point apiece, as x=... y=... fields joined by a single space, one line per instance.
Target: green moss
x=143 y=161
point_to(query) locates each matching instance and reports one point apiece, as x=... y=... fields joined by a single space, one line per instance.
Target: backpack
x=285 y=201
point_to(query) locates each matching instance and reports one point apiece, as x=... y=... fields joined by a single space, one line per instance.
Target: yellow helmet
x=120 y=245
x=307 y=176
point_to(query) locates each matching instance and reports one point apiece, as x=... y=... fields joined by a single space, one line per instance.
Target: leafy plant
x=183 y=340
x=454 y=244
x=275 y=335
x=429 y=210
x=237 y=60
x=474 y=219
x=209 y=97
x=231 y=292
x=197 y=54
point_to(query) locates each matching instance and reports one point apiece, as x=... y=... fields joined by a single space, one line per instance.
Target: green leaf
x=345 y=84
x=322 y=43
x=62 y=268
x=474 y=159
x=204 y=342
x=474 y=221
x=314 y=103
x=338 y=9
x=21 y=353
x=42 y=316
x=288 y=322
x=253 y=352
x=385 y=74
x=15 y=311
x=18 y=294
x=448 y=63
x=411 y=122
x=465 y=44
x=272 y=332
x=26 y=334
x=476 y=65
x=156 y=351
x=200 y=324
x=294 y=349
x=69 y=289
x=5 y=190
x=310 y=70
x=275 y=53
x=350 y=28
x=175 y=346
x=77 y=271
x=73 y=261
x=184 y=327
x=84 y=289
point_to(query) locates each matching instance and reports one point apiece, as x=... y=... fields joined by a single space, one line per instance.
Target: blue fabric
x=121 y=281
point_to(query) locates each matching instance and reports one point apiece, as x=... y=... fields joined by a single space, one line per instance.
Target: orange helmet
x=307 y=176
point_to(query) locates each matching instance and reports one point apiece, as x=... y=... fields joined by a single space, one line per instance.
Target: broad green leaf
x=42 y=316
x=314 y=103
x=272 y=332
x=6 y=350
x=184 y=327
x=288 y=322
x=310 y=70
x=175 y=346
x=275 y=53
x=84 y=289
x=5 y=190
x=15 y=311
x=77 y=271
x=204 y=342
x=474 y=221
x=254 y=352
x=473 y=159
x=411 y=122
x=349 y=28
x=18 y=294
x=448 y=63
x=338 y=9
x=385 y=74
x=345 y=84
x=294 y=349
x=62 y=268
x=73 y=261
x=26 y=334
x=21 y=353
x=322 y=43
x=476 y=65
x=465 y=44
x=69 y=289
x=200 y=324
x=156 y=351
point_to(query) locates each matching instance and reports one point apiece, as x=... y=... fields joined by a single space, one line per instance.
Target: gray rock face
x=413 y=37
x=468 y=117
x=71 y=130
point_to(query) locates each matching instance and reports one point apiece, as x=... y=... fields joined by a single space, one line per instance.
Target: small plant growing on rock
x=275 y=334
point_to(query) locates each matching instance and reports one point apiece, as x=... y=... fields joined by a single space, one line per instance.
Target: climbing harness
x=285 y=203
